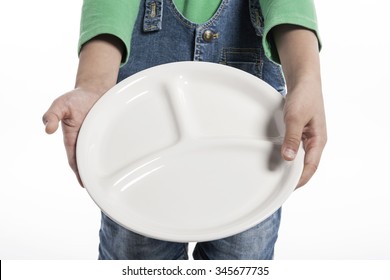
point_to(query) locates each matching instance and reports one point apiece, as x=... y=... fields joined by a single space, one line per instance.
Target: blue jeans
x=257 y=243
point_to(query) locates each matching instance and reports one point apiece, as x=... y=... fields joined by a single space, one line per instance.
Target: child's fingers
x=311 y=162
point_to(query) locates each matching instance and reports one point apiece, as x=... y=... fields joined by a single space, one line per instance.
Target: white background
x=343 y=213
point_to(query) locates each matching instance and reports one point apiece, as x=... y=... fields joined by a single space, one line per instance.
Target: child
x=119 y=38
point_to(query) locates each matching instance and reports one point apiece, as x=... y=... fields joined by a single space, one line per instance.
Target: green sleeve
x=276 y=12
x=108 y=17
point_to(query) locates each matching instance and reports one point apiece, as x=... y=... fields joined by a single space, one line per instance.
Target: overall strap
x=153 y=15
x=256 y=16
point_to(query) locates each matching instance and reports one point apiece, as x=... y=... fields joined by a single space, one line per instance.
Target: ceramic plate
x=187 y=151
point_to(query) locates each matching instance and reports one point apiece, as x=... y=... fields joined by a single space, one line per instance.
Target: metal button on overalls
x=208 y=35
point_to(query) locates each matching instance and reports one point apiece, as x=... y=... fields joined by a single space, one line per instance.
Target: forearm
x=99 y=63
x=304 y=113
x=299 y=54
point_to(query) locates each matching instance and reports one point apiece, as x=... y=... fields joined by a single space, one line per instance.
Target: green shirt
x=118 y=18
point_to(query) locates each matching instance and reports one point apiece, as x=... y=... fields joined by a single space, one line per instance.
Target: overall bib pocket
x=246 y=59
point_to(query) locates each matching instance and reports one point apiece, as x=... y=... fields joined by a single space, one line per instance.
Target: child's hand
x=304 y=117
x=97 y=73
x=71 y=109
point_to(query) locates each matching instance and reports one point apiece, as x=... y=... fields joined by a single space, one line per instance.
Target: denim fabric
x=162 y=35
x=257 y=243
x=233 y=36
x=118 y=243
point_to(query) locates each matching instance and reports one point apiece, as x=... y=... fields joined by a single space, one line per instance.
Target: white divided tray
x=187 y=151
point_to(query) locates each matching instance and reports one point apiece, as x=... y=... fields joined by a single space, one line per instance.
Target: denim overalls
x=233 y=36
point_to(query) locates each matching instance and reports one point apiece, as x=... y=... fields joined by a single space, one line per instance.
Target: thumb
x=292 y=140
x=50 y=120
x=54 y=115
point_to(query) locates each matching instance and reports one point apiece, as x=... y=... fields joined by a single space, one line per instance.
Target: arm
x=97 y=72
x=304 y=112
